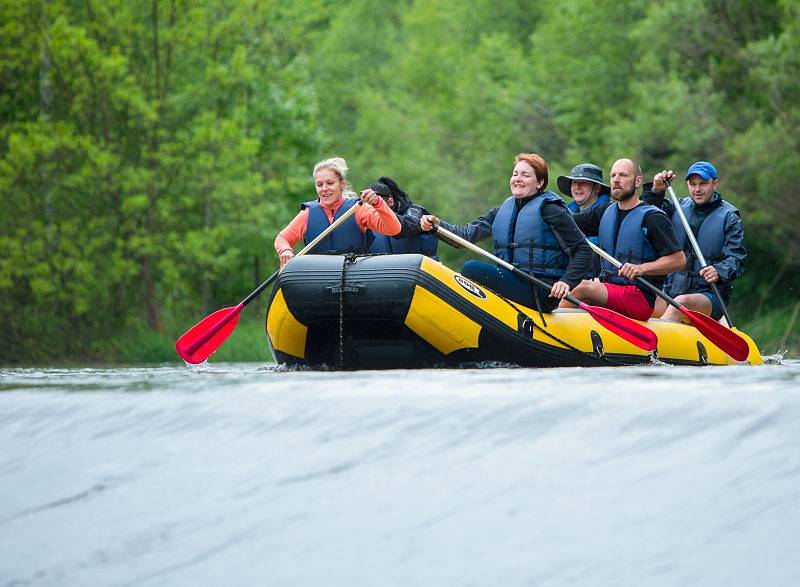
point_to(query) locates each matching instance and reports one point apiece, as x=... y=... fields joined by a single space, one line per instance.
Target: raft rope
x=557 y=339
x=340 y=354
x=348 y=258
x=351 y=258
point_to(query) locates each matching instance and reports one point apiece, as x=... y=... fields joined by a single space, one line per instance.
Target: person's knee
x=474 y=270
x=697 y=302
x=471 y=266
x=577 y=290
x=591 y=292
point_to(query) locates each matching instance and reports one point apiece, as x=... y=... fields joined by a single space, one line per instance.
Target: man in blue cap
x=717 y=226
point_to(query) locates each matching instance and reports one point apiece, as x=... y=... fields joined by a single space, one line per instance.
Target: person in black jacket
x=411 y=238
x=533 y=230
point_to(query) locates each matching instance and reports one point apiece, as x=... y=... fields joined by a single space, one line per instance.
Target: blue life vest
x=601 y=199
x=524 y=239
x=428 y=245
x=347 y=238
x=628 y=244
x=711 y=238
x=387 y=244
x=597 y=266
x=423 y=243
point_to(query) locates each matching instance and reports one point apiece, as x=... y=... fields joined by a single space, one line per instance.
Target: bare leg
x=660 y=308
x=696 y=302
x=592 y=292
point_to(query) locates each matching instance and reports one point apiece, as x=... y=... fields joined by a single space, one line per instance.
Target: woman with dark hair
x=534 y=231
x=411 y=238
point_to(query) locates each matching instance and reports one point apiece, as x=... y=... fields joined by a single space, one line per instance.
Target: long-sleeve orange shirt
x=378 y=218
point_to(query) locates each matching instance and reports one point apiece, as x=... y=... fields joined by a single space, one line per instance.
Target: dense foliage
x=149 y=151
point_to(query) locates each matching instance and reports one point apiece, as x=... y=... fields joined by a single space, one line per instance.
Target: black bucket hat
x=401 y=200
x=585 y=172
x=381 y=189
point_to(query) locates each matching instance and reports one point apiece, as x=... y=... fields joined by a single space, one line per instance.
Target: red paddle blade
x=205 y=337
x=624 y=327
x=723 y=337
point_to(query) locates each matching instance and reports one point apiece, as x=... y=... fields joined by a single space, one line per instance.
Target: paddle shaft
x=506 y=265
x=696 y=247
x=622 y=326
x=238 y=308
x=639 y=279
x=303 y=251
x=725 y=338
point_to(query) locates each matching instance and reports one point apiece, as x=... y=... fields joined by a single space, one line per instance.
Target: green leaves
x=149 y=152
x=139 y=143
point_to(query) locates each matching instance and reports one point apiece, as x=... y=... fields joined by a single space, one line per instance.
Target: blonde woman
x=334 y=198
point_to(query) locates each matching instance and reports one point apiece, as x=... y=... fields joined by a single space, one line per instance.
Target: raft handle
x=597 y=344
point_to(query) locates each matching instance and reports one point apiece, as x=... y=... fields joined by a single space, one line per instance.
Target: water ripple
x=246 y=474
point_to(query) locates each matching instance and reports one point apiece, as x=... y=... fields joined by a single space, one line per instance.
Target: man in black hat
x=585 y=186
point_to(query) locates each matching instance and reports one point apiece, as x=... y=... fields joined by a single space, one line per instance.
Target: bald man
x=637 y=234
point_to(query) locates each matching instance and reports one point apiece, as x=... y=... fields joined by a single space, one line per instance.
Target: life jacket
x=597 y=266
x=627 y=243
x=429 y=245
x=524 y=239
x=710 y=236
x=387 y=244
x=601 y=199
x=422 y=243
x=347 y=238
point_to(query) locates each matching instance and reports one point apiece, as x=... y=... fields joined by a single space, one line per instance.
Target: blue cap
x=704 y=169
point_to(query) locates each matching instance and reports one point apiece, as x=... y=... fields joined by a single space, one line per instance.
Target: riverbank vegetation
x=149 y=151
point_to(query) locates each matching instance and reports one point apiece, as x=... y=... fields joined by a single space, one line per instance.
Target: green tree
x=147 y=153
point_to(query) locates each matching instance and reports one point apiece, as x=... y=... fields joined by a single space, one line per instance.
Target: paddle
x=205 y=337
x=622 y=326
x=697 y=250
x=723 y=337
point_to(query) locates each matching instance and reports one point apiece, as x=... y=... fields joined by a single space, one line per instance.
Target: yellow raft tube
x=406 y=311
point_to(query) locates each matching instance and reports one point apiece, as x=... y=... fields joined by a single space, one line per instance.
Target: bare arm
x=661 y=266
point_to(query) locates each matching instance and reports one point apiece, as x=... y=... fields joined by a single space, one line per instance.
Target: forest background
x=150 y=150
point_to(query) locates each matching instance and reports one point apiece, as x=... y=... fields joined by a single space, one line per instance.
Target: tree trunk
x=152 y=311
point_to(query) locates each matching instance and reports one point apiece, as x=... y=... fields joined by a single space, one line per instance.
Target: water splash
x=656 y=362
x=776 y=359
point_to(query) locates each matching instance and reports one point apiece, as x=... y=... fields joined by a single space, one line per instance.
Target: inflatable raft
x=409 y=311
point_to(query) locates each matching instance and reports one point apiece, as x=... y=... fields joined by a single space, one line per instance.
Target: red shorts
x=628 y=300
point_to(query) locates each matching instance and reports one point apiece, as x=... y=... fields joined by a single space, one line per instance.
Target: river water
x=252 y=475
